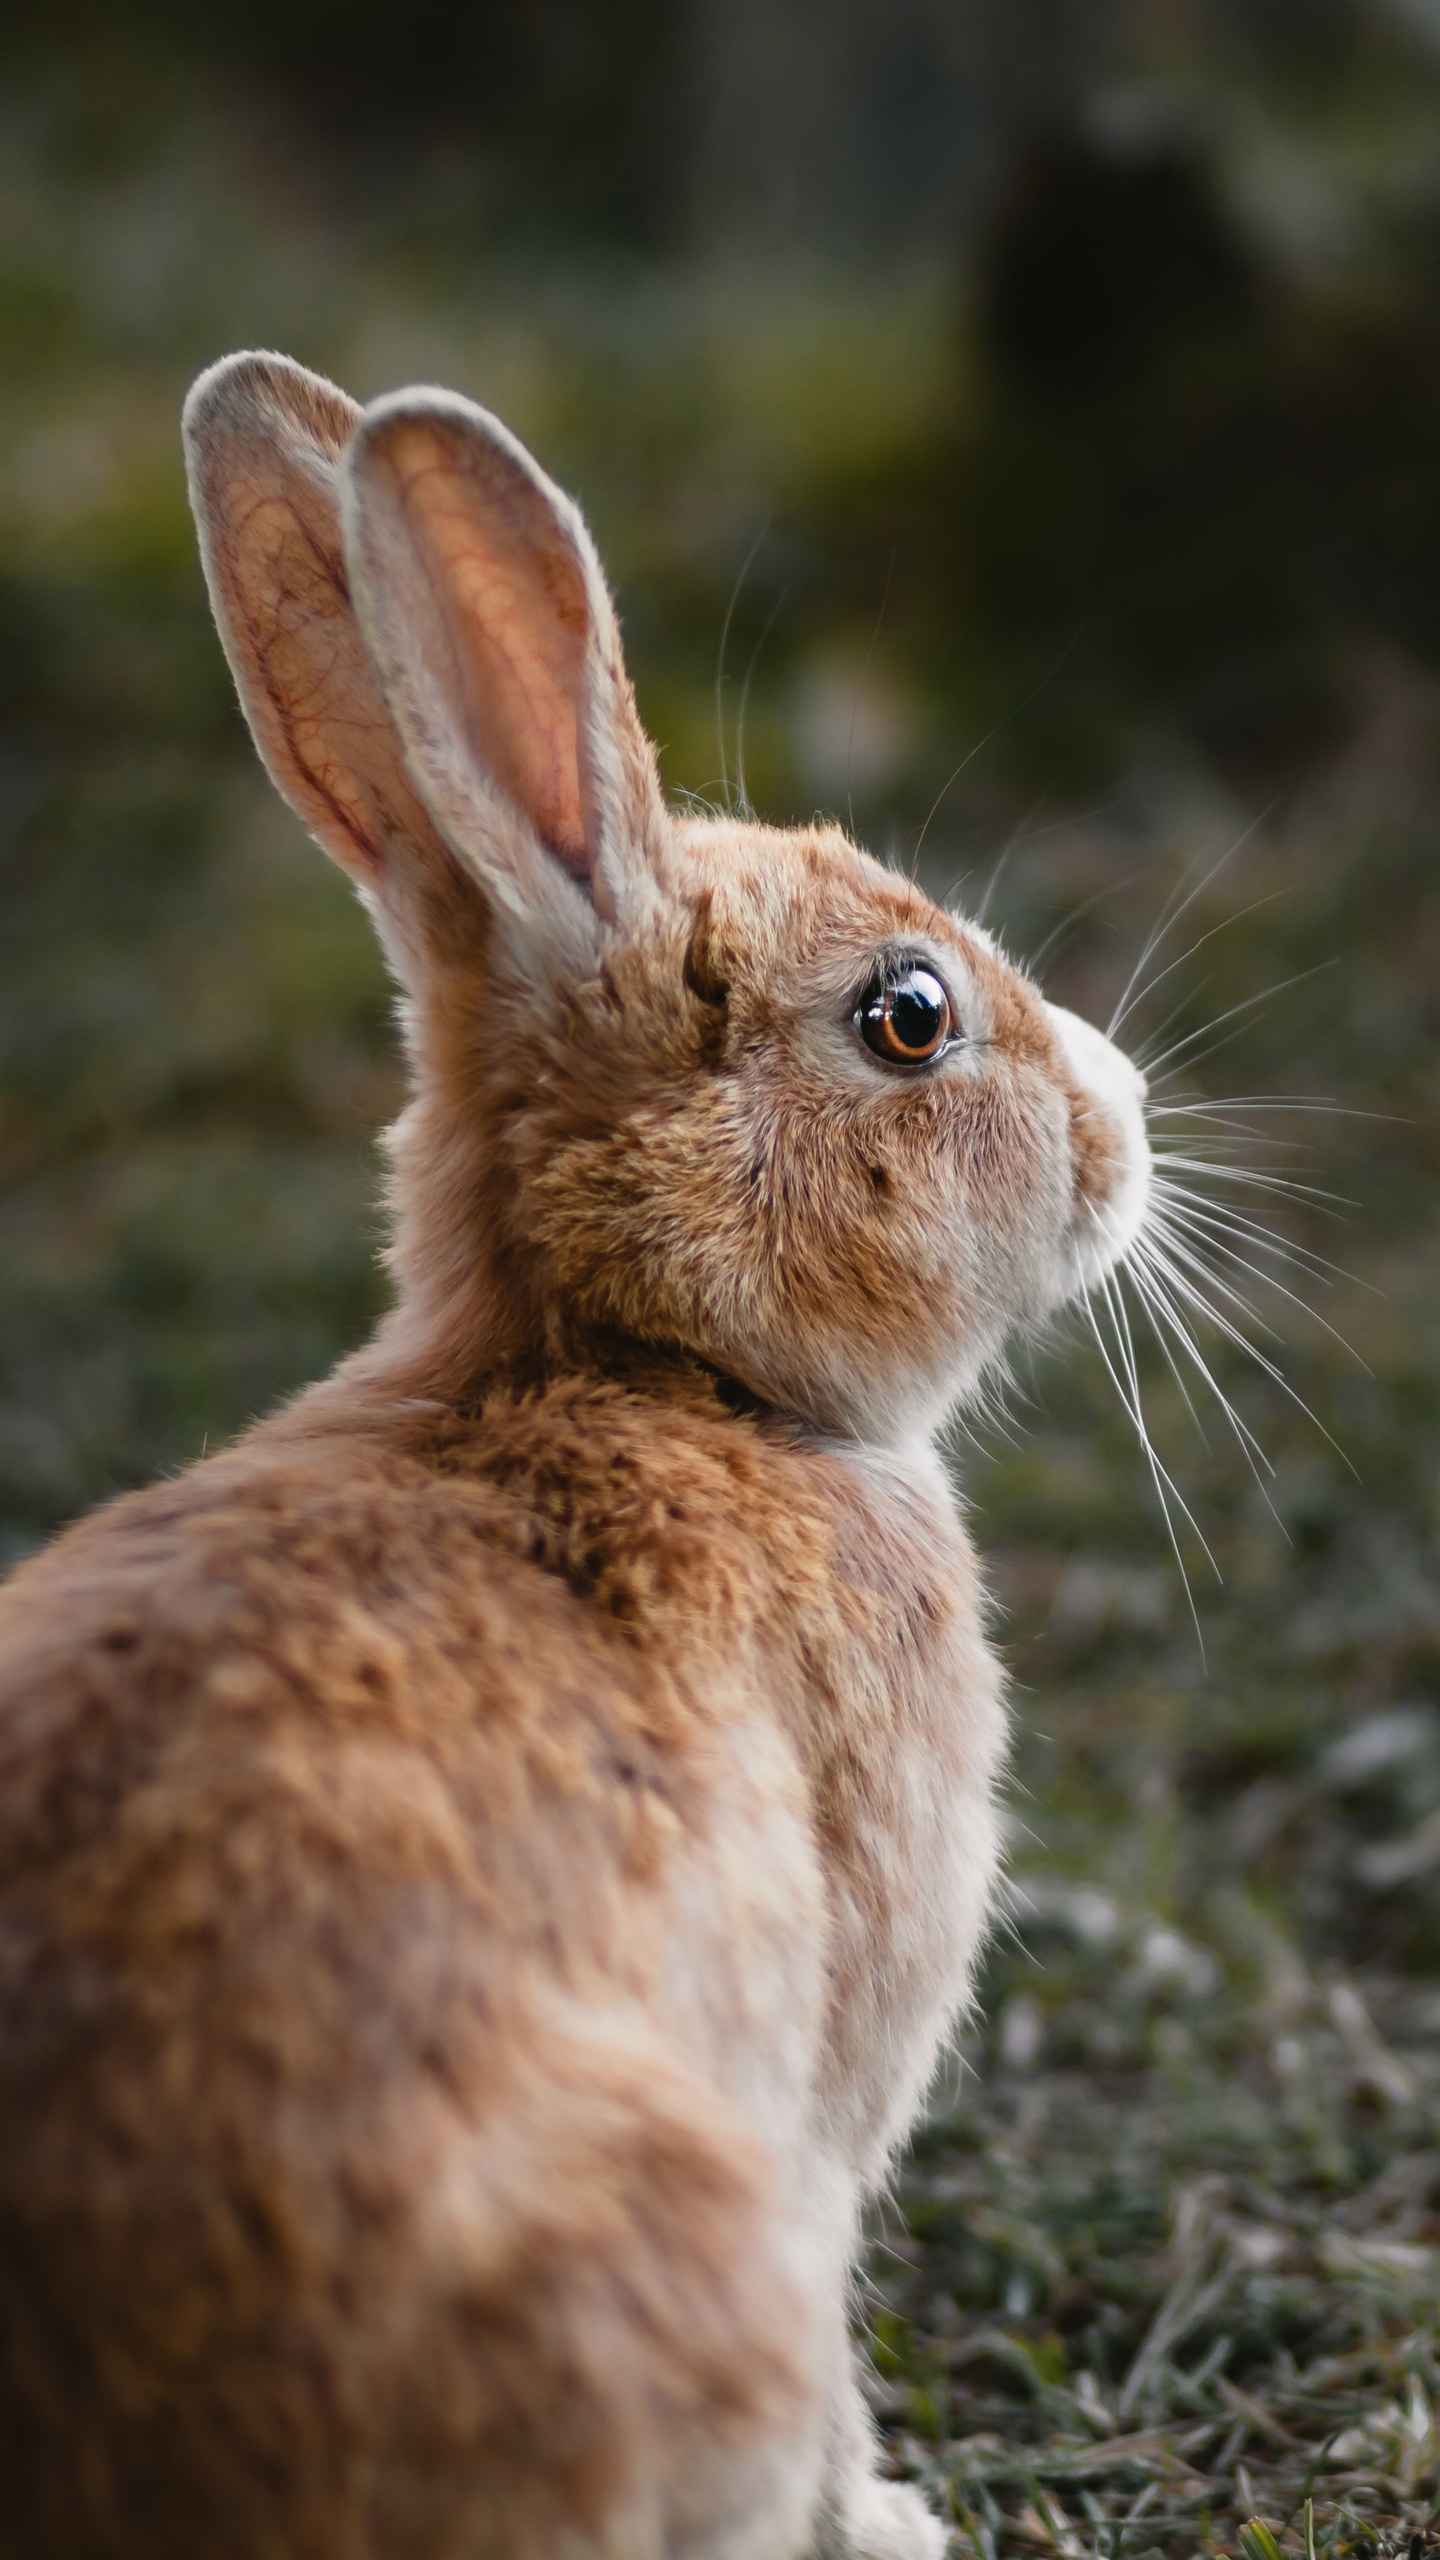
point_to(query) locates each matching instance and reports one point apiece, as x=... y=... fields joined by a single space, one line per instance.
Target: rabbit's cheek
x=1001 y=1182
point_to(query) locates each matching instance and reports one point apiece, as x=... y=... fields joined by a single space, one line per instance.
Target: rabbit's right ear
x=485 y=607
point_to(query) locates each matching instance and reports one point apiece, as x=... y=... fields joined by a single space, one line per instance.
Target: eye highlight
x=907 y=1018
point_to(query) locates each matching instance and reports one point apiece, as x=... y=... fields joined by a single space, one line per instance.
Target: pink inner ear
x=517 y=619
x=263 y=439
x=311 y=672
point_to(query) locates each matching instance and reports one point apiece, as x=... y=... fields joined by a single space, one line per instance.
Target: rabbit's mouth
x=1110 y=1150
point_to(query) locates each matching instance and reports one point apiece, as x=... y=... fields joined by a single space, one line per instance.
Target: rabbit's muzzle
x=1110 y=1150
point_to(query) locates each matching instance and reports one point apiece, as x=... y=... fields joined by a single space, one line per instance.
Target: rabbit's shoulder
x=310 y=1622
x=677 y=1513
x=547 y=1590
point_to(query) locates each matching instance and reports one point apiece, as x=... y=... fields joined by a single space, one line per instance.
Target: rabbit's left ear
x=483 y=605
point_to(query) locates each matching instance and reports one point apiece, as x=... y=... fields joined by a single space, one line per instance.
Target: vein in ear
x=289 y=592
x=310 y=606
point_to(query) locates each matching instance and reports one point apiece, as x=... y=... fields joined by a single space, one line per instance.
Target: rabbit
x=488 y=1861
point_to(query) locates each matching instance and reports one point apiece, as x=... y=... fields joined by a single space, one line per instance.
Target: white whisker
x=1150 y=1280
x=1143 y=994
x=1122 y=1319
x=1166 y=1313
x=1170 y=914
x=1224 y=1220
x=745 y=809
x=1176 y=1263
x=1135 y=1273
x=1199 y=1230
x=1232 y=1012
x=1257 y=1177
x=1165 y=1486
x=1224 y=1104
x=1176 y=1248
x=1068 y=923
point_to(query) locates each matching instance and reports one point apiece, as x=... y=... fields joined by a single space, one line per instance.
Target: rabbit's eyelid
x=895 y=959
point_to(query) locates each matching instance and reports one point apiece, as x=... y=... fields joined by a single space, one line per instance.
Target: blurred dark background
x=1042 y=399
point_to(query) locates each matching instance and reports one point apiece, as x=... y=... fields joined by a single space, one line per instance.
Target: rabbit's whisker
x=1152 y=1065
x=1204 y=1241
x=981 y=743
x=1257 y=1177
x=1168 y=1320
x=1152 y=1281
x=1189 y=1277
x=1056 y=935
x=1127 y=1387
x=1149 y=1296
x=1182 y=1006
x=1222 y=1218
x=1021 y=833
x=1142 y=994
x=855 y=704
x=1186 y=1226
x=1170 y=915
x=1233 y=1104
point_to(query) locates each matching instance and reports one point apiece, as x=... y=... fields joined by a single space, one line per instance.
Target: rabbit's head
x=690 y=1082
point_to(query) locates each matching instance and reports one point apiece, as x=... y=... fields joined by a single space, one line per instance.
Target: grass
x=1166 y=2255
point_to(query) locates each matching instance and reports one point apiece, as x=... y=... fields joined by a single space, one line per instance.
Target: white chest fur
x=908 y=1798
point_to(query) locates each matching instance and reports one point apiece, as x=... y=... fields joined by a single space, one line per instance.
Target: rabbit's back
x=434 y=1850
x=518 y=1657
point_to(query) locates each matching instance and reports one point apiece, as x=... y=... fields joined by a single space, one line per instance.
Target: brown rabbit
x=487 y=1863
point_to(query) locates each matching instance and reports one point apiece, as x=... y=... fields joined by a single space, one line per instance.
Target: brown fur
x=486 y=1863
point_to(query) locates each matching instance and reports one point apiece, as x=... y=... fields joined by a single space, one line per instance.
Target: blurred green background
x=1014 y=427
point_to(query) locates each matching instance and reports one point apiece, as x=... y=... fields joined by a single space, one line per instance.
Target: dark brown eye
x=908 y=1019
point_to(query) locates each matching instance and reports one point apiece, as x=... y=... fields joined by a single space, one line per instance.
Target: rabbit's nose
x=1092 y=1058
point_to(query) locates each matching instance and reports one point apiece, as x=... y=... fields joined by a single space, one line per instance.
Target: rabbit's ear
x=479 y=591
x=263 y=439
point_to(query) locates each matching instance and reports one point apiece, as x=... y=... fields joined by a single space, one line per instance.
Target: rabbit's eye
x=907 y=1020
